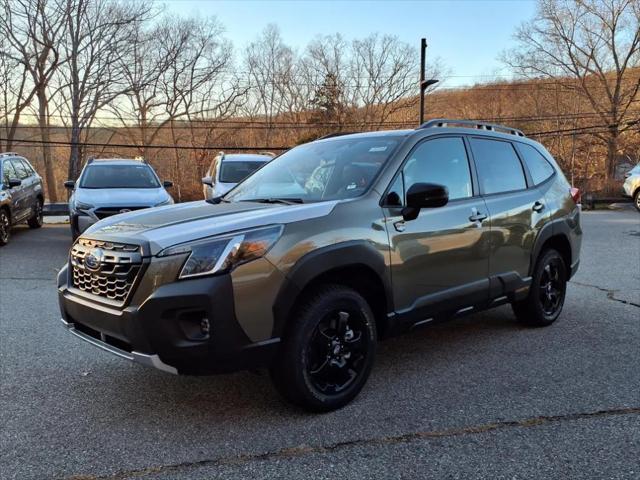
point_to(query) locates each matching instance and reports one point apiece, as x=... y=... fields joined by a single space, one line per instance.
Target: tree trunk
x=612 y=154
x=43 y=121
x=74 y=154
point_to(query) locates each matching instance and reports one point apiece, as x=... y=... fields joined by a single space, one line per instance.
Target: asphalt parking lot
x=479 y=397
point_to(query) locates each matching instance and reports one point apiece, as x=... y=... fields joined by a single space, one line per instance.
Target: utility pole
x=424 y=84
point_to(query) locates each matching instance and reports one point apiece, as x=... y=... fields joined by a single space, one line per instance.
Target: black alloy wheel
x=5 y=227
x=36 y=219
x=547 y=292
x=337 y=351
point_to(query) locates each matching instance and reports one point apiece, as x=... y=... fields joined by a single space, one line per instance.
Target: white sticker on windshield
x=377 y=149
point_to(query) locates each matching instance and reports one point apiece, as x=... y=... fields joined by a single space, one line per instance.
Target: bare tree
x=33 y=29
x=97 y=38
x=15 y=94
x=177 y=71
x=591 y=47
x=270 y=66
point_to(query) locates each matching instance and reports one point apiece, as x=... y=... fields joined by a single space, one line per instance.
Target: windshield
x=234 y=172
x=329 y=170
x=119 y=176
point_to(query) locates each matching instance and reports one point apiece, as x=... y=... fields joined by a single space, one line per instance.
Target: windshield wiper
x=216 y=200
x=286 y=201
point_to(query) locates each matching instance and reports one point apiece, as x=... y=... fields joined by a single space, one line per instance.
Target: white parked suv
x=109 y=187
x=631 y=185
x=227 y=170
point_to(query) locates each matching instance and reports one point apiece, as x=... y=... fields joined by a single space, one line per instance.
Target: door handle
x=399 y=225
x=476 y=216
x=538 y=207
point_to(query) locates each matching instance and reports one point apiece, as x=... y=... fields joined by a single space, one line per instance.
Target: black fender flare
x=558 y=227
x=313 y=264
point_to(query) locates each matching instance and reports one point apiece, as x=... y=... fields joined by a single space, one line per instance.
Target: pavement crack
x=610 y=293
x=376 y=441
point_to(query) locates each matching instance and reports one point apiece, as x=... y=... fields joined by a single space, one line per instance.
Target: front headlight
x=222 y=254
x=83 y=206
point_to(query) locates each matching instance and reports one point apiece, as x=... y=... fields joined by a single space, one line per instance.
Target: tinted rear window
x=235 y=172
x=119 y=176
x=499 y=169
x=538 y=166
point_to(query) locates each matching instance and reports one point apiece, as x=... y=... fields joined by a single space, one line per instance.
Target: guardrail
x=53 y=209
x=589 y=201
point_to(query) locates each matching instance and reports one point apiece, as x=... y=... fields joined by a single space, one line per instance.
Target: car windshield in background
x=236 y=171
x=329 y=170
x=119 y=176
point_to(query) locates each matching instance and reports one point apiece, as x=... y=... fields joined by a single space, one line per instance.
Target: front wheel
x=547 y=292
x=35 y=221
x=329 y=349
x=5 y=226
x=636 y=199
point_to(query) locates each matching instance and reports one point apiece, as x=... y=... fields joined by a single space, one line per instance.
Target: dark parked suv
x=21 y=195
x=332 y=245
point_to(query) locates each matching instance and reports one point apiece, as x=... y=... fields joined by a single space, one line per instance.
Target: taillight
x=576 y=195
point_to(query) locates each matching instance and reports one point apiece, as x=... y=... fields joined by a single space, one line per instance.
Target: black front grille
x=105 y=212
x=105 y=269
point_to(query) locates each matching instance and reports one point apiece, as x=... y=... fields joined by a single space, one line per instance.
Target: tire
x=328 y=351
x=35 y=221
x=636 y=199
x=5 y=226
x=547 y=293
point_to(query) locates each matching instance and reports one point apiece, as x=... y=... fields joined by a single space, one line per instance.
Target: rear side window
x=538 y=166
x=21 y=170
x=499 y=169
x=443 y=161
x=236 y=171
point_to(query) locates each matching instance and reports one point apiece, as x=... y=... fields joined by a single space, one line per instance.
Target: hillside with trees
x=80 y=78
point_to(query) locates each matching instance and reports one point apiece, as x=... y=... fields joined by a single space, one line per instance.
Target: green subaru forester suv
x=304 y=265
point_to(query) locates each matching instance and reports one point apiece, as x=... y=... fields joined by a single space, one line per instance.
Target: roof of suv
x=440 y=125
x=246 y=157
x=116 y=161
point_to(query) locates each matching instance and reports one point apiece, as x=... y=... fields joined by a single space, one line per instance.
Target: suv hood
x=121 y=197
x=163 y=227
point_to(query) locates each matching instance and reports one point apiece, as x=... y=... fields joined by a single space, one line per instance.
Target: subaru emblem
x=93 y=260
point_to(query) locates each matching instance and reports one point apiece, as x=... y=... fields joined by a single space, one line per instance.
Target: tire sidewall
x=4 y=215
x=547 y=257
x=340 y=298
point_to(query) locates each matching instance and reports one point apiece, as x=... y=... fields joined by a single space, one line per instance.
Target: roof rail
x=335 y=134
x=8 y=154
x=140 y=158
x=264 y=152
x=447 y=122
x=90 y=160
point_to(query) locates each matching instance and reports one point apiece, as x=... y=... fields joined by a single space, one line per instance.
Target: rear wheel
x=5 y=226
x=35 y=221
x=546 y=295
x=329 y=351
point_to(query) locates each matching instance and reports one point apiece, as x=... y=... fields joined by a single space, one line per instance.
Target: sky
x=467 y=34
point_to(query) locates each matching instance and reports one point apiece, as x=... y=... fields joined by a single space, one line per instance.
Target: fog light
x=204 y=326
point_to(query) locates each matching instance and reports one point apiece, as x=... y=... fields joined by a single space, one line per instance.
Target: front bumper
x=165 y=330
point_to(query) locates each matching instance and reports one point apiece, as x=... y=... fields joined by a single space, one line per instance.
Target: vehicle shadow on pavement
x=147 y=394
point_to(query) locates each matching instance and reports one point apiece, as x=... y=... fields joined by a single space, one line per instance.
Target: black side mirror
x=424 y=195
x=207 y=181
x=167 y=184
x=14 y=182
x=70 y=184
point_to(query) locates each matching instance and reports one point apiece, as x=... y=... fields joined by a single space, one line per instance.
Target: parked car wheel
x=636 y=199
x=5 y=226
x=35 y=221
x=546 y=295
x=329 y=350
